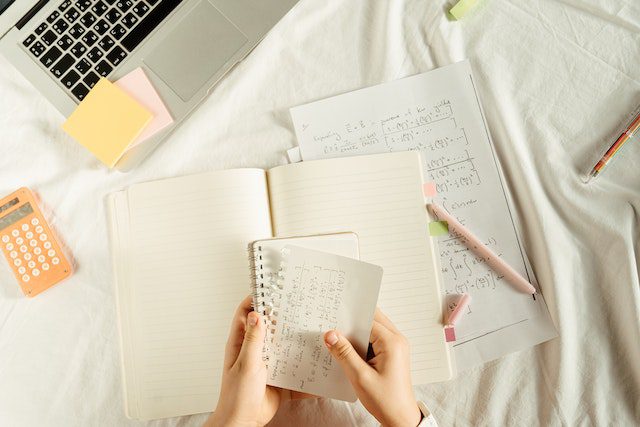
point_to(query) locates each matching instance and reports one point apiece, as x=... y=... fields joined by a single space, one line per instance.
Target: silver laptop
x=63 y=47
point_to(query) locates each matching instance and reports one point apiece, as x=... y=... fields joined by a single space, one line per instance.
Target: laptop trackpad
x=195 y=50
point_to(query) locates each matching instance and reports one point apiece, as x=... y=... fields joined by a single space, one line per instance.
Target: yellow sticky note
x=107 y=121
x=462 y=7
x=438 y=228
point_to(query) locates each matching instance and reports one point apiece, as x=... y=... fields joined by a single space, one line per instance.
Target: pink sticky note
x=449 y=333
x=429 y=189
x=138 y=86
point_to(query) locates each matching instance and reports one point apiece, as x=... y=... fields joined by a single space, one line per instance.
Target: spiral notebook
x=303 y=293
x=179 y=251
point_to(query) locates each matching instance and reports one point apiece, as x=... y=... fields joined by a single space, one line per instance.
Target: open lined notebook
x=180 y=262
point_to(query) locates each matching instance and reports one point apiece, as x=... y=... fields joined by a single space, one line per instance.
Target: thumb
x=253 y=342
x=342 y=350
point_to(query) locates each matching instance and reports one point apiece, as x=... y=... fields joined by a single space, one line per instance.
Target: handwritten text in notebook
x=439 y=115
x=320 y=291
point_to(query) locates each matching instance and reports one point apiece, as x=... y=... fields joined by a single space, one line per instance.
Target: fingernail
x=331 y=338
x=252 y=319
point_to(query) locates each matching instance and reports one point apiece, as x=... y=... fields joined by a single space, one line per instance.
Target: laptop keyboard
x=81 y=41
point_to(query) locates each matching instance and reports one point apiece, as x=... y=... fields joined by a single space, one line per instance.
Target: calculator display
x=6 y=206
x=16 y=215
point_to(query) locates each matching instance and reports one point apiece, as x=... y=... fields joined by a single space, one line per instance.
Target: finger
x=382 y=318
x=342 y=350
x=236 y=332
x=380 y=338
x=251 y=352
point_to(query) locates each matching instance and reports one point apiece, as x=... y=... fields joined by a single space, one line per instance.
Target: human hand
x=383 y=383
x=245 y=399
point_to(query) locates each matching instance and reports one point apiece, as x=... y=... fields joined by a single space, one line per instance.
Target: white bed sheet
x=555 y=78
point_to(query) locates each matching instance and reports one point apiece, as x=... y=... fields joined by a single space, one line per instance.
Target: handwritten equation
x=309 y=306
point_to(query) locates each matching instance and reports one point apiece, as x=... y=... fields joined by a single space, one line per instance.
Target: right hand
x=383 y=383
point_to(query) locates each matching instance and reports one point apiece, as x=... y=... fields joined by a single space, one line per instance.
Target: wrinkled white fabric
x=555 y=78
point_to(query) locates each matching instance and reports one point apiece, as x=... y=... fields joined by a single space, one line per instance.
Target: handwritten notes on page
x=439 y=114
x=318 y=292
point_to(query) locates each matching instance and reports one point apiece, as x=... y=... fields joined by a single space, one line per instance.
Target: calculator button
x=22 y=270
x=5 y=239
x=31 y=264
x=39 y=229
x=13 y=254
x=23 y=249
x=35 y=272
x=19 y=240
x=33 y=243
x=47 y=245
x=17 y=262
x=51 y=252
x=41 y=259
x=15 y=233
x=27 y=256
x=29 y=235
x=25 y=278
x=43 y=237
x=35 y=221
x=9 y=246
x=37 y=251
x=55 y=261
x=45 y=266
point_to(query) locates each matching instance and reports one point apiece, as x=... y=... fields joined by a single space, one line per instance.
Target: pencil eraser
x=449 y=333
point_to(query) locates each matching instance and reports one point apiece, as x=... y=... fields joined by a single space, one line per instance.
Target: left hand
x=245 y=399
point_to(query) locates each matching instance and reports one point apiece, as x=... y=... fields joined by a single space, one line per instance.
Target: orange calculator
x=29 y=245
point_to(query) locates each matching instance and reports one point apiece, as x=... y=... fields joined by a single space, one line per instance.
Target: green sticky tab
x=438 y=228
x=461 y=8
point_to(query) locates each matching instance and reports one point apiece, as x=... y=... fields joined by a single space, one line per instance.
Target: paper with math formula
x=439 y=114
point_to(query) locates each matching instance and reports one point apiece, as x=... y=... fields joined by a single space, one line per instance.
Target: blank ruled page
x=187 y=272
x=380 y=199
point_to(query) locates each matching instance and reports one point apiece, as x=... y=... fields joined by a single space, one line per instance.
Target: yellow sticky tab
x=107 y=121
x=461 y=8
x=438 y=228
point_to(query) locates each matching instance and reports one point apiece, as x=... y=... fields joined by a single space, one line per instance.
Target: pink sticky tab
x=429 y=189
x=449 y=333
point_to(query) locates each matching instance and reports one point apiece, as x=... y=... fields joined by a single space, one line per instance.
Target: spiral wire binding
x=265 y=291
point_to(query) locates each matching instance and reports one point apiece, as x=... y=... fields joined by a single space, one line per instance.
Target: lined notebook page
x=186 y=275
x=380 y=199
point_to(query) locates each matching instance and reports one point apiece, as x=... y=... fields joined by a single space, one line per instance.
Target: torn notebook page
x=439 y=114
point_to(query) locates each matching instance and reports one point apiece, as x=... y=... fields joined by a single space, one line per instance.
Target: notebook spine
x=263 y=287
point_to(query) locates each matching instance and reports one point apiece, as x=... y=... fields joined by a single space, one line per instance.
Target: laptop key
x=88 y=19
x=90 y=38
x=76 y=31
x=83 y=5
x=118 y=32
x=106 y=43
x=37 y=49
x=65 y=42
x=51 y=19
x=130 y=20
x=62 y=65
x=40 y=29
x=51 y=56
x=101 y=27
x=49 y=37
x=72 y=14
x=141 y=9
x=78 y=50
x=91 y=79
x=27 y=42
x=152 y=2
x=124 y=5
x=80 y=91
x=70 y=79
x=100 y=8
x=113 y=15
x=103 y=68
x=95 y=54
x=64 y=5
x=60 y=26
x=83 y=66
x=117 y=55
x=148 y=24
